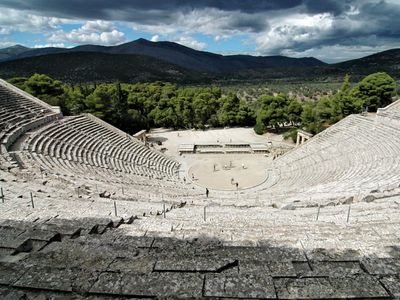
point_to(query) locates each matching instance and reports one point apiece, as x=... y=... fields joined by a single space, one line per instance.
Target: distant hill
x=12 y=52
x=99 y=67
x=142 y=60
x=185 y=57
x=387 y=61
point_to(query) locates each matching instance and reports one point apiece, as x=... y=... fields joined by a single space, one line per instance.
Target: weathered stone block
x=181 y=285
x=320 y=254
x=194 y=264
x=304 y=288
x=10 y=273
x=135 y=241
x=41 y=235
x=239 y=286
x=46 y=278
x=272 y=268
x=141 y=264
x=107 y=283
x=334 y=269
x=358 y=286
x=259 y=253
x=392 y=284
x=382 y=266
x=178 y=285
x=69 y=254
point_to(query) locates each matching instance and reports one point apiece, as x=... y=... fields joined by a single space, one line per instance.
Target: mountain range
x=142 y=60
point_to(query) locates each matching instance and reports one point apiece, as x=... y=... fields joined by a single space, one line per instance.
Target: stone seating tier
x=357 y=154
x=82 y=140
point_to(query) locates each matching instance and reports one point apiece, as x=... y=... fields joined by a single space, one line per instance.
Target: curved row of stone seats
x=356 y=154
x=361 y=231
x=53 y=202
x=19 y=114
x=81 y=174
x=389 y=115
x=74 y=175
x=15 y=106
x=191 y=216
x=88 y=140
x=233 y=223
x=80 y=139
x=87 y=150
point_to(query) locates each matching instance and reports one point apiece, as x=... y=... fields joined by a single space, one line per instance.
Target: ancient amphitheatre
x=319 y=221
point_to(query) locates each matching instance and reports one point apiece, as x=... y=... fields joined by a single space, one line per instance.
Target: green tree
x=323 y=111
x=272 y=111
x=309 y=119
x=227 y=115
x=375 y=90
x=100 y=104
x=74 y=100
x=259 y=128
x=204 y=106
x=187 y=113
x=245 y=115
x=46 y=89
x=293 y=112
x=343 y=103
x=19 y=82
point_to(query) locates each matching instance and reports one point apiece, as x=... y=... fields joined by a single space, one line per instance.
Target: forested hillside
x=145 y=61
x=132 y=107
x=85 y=67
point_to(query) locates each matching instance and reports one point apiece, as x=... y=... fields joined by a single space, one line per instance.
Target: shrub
x=291 y=134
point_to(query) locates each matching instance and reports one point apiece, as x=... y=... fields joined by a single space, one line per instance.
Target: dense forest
x=132 y=107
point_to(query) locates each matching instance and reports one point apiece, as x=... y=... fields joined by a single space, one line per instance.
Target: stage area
x=248 y=169
x=222 y=172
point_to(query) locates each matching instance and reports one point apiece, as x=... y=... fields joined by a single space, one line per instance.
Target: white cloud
x=4 y=44
x=285 y=33
x=56 y=45
x=209 y=21
x=92 y=32
x=189 y=41
x=338 y=53
x=12 y=20
x=4 y=30
x=292 y=32
x=155 y=38
x=98 y=26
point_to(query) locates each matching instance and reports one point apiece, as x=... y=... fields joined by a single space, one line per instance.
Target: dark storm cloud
x=253 y=14
x=377 y=21
x=363 y=23
x=383 y=16
x=336 y=7
x=105 y=9
x=247 y=23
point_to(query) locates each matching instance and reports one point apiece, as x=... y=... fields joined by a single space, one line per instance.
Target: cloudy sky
x=331 y=30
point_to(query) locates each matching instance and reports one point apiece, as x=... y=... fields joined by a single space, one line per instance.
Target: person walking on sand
x=207 y=192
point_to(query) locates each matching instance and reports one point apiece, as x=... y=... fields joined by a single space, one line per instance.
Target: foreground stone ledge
x=115 y=265
x=182 y=285
x=239 y=286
